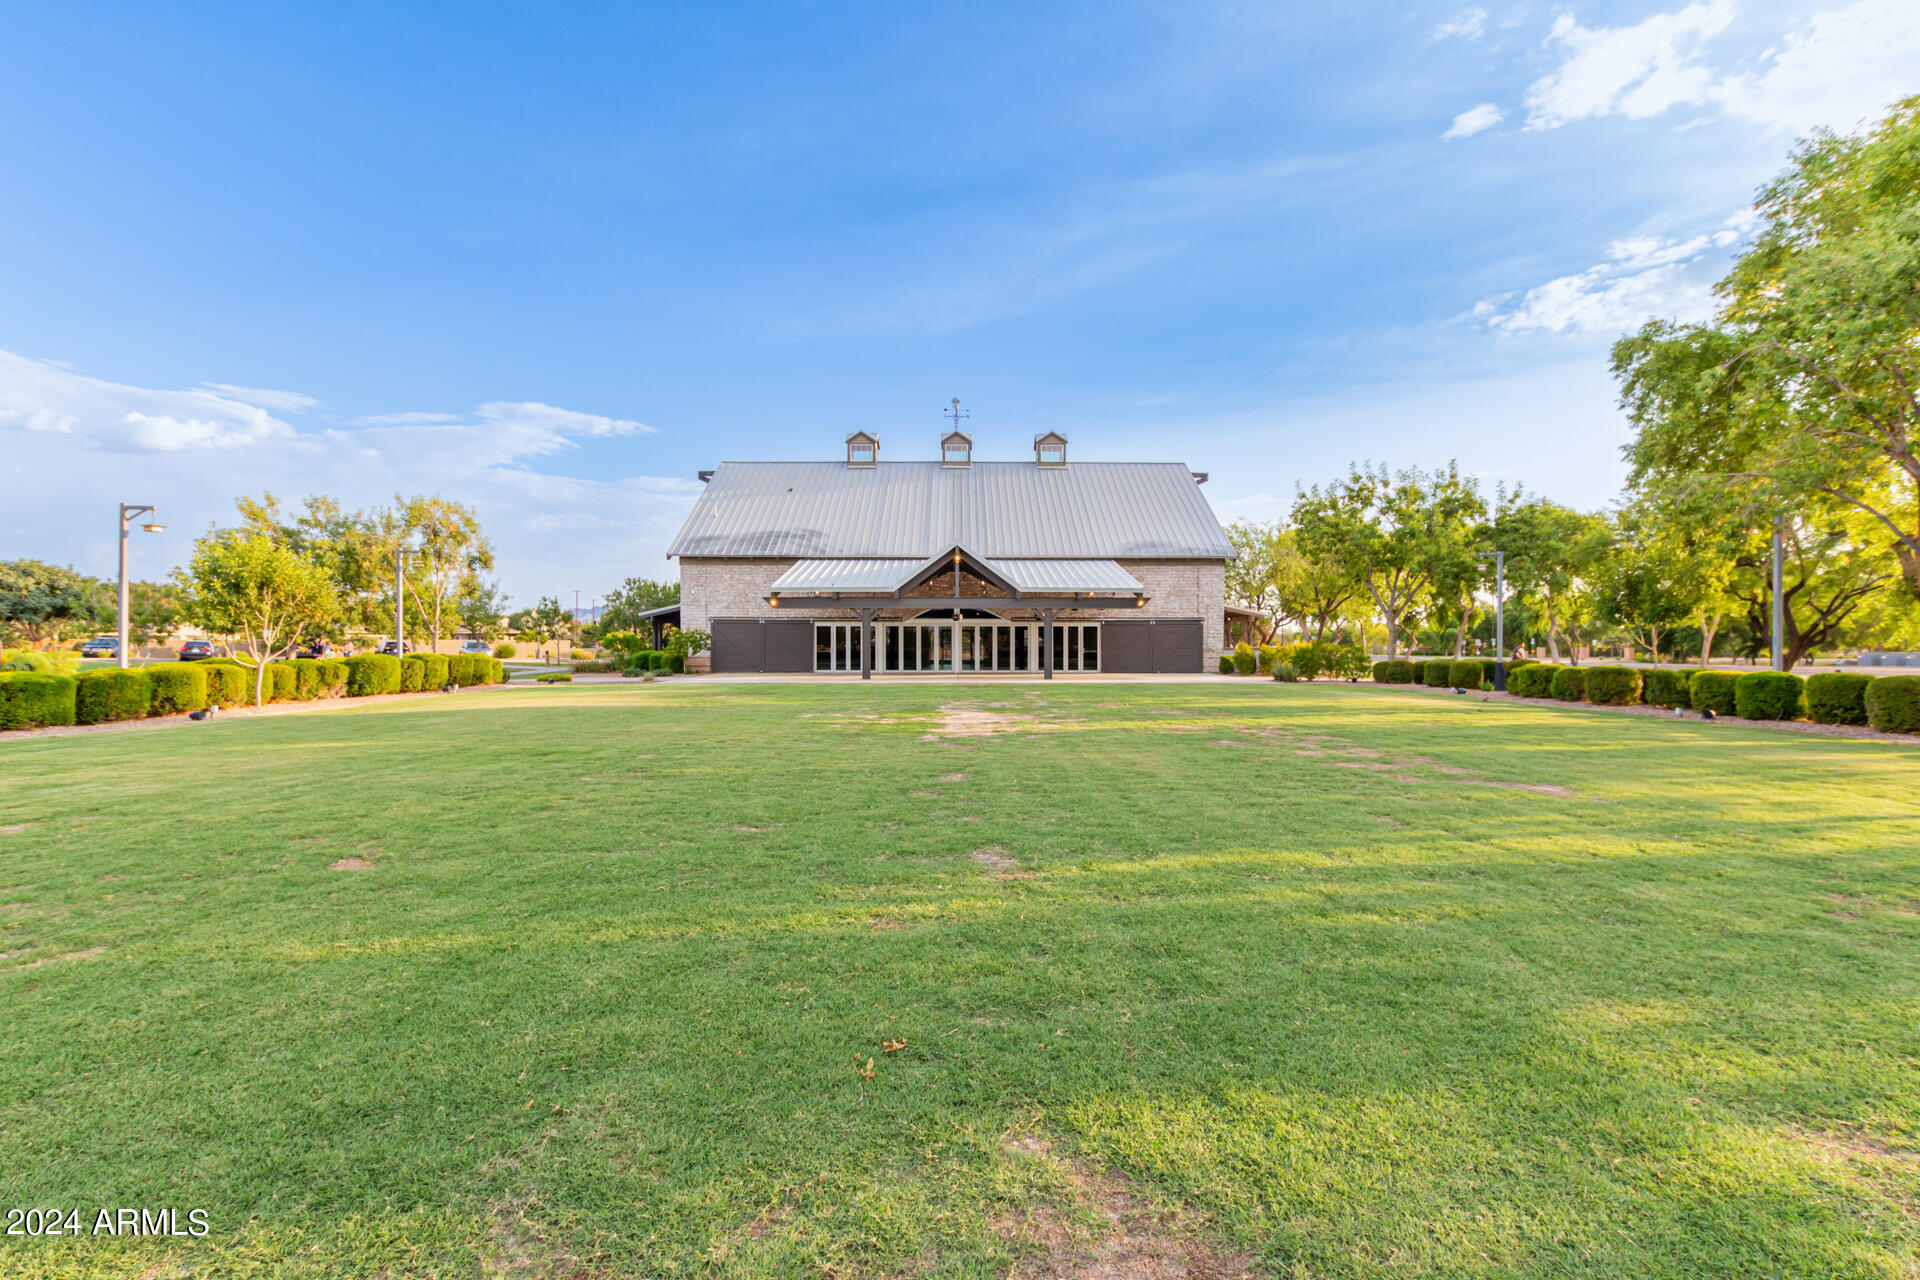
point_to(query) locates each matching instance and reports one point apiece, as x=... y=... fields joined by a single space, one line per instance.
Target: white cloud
x=284 y=401
x=1474 y=120
x=1468 y=24
x=1643 y=277
x=1839 y=68
x=193 y=452
x=1636 y=71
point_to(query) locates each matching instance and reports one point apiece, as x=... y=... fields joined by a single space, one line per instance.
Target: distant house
x=954 y=565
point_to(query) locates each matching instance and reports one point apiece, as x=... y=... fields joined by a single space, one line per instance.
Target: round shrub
x=1769 y=695
x=505 y=649
x=111 y=694
x=677 y=663
x=35 y=700
x=177 y=687
x=1569 y=684
x=1713 y=691
x=1284 y=672
x=333 y=678
x=1838 y=697
x=412 y=671
x=1613 y=686
x=1535 y=680
x=1468 y=673
x=496 y=671
x=228 y=683
x=1437 y=674
x=1226 y=664
x=1893 y=703
x=1668 y=687
x=437 y=668
x=1395 y=671
x=306 y=679
x=1244 y=659
x=580 y=655
x=372 y=673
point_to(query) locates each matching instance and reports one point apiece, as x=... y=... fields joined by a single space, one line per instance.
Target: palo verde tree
x=1391 y=532
x=245 y=584
x=1805 y=388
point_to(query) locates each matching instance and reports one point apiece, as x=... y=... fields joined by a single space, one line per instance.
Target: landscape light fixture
x=128 y=510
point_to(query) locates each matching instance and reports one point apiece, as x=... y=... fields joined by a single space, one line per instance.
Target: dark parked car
x=194 y=650
x=394 y=647
x=101 y=647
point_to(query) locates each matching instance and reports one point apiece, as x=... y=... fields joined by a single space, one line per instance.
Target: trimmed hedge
x=1469 y=673
x=306 y=679
x=1569 y=684
x=1226 y=664
x=1396 y=671
x=412 y=671
x=435 y=676
x=1769 y=695
x=1893 y=703
x=111 y=694
x=333 y=677
x=1669 y=687
x=283 y=682
x=32 y=700
x=1613 y=686
x=1535 y=680
x=177 y=687
x=1713 y=691
x=228 y=683
x=1437 y=674
x=1838 y=697
x=372 y=673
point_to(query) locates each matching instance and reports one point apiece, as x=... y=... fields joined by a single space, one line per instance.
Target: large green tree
x=1391 y=532
x=1802 y=391
x=40 y=602
x=623 y=606
x=244 y=583
x=1552 y=552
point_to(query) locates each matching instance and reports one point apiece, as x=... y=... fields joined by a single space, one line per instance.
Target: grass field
x=1323 y=981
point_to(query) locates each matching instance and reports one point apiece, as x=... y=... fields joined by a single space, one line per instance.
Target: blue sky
x=552 y=260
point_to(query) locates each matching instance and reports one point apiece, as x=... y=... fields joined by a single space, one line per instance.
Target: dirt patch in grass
x=14 y=828
x=976 y=722
x=953 y=777
x=88 y=954
x=350 y=864
x=1001 y=864
x=1108 y=1232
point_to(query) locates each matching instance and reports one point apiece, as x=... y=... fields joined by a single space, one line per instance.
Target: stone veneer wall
x=726 y=588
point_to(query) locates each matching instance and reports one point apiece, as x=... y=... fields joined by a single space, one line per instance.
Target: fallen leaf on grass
x=866 y=1072
x=892 y=1046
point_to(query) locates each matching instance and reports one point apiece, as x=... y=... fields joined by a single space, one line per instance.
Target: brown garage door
x=757 y=644
x=1157 y=644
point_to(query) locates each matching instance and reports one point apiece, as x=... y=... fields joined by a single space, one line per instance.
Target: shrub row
x=31 y=700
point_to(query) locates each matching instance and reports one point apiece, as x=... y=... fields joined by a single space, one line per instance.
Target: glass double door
x=984 y=646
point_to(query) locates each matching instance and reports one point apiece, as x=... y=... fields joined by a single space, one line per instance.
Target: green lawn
x=1359 y=982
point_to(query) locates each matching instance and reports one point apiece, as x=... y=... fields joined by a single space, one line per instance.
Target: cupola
x=956 y=449
x=1050 y=449
x=863 y=450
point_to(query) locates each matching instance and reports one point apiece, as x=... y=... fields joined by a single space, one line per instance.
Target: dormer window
x=1050 y=449
x=863 y=450
x=956 y=449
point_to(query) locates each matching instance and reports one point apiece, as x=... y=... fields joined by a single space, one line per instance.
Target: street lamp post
x=401 y=551
x=128 y=510
x=1499 y=618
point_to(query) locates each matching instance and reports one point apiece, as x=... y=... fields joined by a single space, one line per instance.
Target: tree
x=1389 y=532
x=455 y=553
x=547 y=620
x=40 y=602
x=636 y=596
x=1646 y=581
x=246 y=584
x=1550 y=550
x=483 y=608
x=1804 y=386
x=1254 y=573
x=1830 y=571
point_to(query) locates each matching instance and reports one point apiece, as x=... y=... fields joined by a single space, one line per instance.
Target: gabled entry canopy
x=1060 y=583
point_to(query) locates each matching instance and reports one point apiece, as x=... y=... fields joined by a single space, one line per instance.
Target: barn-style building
x=878 y=568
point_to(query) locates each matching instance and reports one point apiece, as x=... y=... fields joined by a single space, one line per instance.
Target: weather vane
x=957 y=413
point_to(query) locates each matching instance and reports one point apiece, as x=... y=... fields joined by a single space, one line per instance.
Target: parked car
x=318 y=649
x=101 y=647
x=194 y=650
x=475 y=646
x=395 y=648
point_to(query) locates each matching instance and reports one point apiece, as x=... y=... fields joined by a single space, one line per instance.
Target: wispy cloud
x=1468 y=24
x=1642 y=277
x=281 y=401
x=1474 y=120
x=1838 y=68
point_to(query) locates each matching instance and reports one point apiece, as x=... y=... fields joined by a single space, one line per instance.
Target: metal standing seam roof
x=916 y=510
x=883 y=577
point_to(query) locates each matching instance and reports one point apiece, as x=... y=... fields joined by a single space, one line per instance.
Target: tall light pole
x=128 y=510
x=1779 y=605
x=401 y=550
x=1499 y=618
